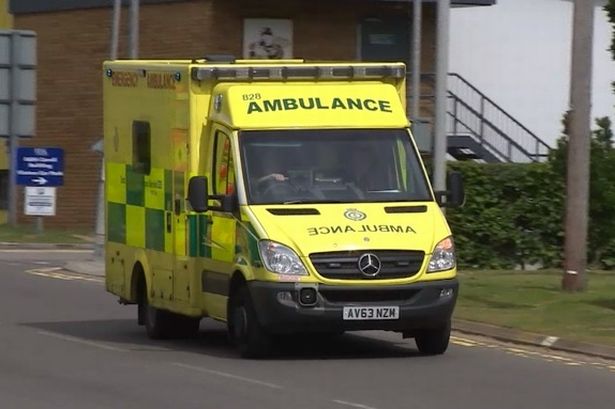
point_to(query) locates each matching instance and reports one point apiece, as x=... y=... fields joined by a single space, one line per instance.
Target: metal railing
x=472 y=113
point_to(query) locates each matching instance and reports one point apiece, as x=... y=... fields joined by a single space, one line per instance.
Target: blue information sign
x=40 y=166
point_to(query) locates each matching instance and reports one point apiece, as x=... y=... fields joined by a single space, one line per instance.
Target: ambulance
x=279 y=197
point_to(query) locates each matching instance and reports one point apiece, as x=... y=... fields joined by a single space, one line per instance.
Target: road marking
x=61 y=274
x=227 y=375
x=516 y=350
x=354 y=405
x=549 y=341
x=82 y=341
x=548 y=355
x=464 y=341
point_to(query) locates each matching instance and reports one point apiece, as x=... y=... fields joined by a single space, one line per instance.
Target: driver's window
x=224 y=170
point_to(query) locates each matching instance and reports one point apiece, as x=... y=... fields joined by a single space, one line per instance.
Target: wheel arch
x=140 y=275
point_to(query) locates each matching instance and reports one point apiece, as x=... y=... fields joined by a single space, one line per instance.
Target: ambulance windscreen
x=331 y=166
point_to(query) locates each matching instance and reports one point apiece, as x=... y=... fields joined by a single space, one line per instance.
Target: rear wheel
x=156 y=321
x=161 y=324
x=251 y=339
x=433 y=341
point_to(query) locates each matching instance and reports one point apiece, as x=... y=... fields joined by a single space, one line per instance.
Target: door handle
x=169 y=222
x=177 y=206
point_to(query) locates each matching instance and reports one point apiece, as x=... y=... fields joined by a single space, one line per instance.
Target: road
x=65 y=343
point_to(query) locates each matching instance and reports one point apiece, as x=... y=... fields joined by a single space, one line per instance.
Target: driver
x=277 y=177
x=271 y=174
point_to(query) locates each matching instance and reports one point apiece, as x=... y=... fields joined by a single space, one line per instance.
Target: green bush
x=514 y=213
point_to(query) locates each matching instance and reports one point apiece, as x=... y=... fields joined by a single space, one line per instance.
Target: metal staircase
x=479 y=129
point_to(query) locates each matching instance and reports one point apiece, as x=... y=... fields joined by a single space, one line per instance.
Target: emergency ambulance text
x=364 y=228
x=124 y=79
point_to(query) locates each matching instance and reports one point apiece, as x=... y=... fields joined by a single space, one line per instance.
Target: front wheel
x=251 y=339
x=433 y=341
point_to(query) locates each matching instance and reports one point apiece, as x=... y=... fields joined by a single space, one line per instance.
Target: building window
x=141 y=147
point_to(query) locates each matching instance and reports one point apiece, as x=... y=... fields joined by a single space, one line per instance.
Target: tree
x=610 y=11
x=601 y=232
x=579 y=146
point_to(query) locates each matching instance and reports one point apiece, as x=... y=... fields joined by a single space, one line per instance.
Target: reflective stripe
x=139 y=207
x=115 y=182
x=135 y=226
x=116 y=222
x=155 y=189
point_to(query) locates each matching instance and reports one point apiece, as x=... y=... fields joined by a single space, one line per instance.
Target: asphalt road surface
x=65 y=343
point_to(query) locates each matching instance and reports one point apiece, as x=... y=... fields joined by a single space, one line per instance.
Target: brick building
x=74 y=37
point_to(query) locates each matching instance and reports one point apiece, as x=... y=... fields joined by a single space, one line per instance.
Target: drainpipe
x=415 y=102
x=439 y=146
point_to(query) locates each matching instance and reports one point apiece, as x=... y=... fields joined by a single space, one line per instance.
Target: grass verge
x=533 y=301
x=28 y=234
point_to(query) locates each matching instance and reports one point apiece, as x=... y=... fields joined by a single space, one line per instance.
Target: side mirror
x=229 y=204
x=197 y=193
x=454 y=196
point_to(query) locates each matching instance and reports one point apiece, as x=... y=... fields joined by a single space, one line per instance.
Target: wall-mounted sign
x=267 y=38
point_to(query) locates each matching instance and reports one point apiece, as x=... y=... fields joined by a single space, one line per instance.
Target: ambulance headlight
x=280 y=259
x=443 y=256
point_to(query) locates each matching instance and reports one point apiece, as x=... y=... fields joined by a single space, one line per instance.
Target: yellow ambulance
x=278 y=197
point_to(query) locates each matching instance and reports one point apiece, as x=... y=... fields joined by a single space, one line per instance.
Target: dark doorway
x=385 y=39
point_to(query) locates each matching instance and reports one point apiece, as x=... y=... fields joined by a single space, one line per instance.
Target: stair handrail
x=481 y=138
x=497 y=106
x=536 y=143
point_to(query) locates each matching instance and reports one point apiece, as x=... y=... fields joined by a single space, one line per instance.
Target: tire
x=157 y=322
x=161 y=324
x=433 y=341
x=249 y=337
x=184 y=326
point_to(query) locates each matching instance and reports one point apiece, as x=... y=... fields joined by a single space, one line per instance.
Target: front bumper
x=422 y=305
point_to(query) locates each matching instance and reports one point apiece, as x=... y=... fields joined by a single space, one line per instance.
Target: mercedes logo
x=369 y=264
x=354 y=214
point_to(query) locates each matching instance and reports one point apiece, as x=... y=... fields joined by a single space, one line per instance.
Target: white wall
x=518 y=53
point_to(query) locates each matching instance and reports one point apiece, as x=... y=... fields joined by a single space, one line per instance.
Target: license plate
x=371 y=313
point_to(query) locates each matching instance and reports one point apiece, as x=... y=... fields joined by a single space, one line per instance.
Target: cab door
x=221 y=238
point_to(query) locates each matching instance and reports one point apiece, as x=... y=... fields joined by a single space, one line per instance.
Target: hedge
x=514 y=213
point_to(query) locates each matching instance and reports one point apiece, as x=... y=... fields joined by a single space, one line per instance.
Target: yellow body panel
x=328 y=105
x=6 y=19
x=331 y=230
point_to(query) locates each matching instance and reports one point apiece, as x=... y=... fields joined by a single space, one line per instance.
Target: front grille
x=344 y=264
